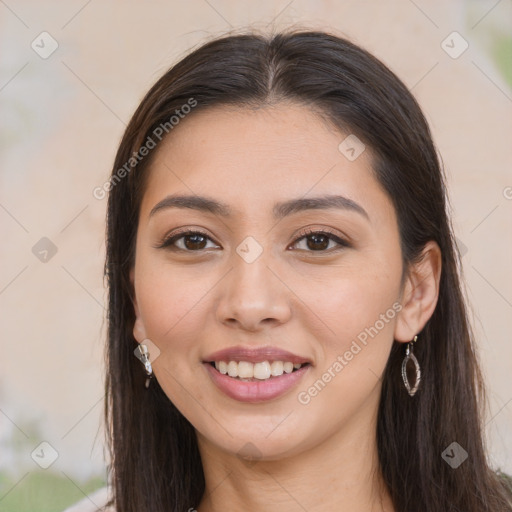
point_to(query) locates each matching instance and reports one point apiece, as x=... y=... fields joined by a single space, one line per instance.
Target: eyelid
x=341 y=240
x=168 y=240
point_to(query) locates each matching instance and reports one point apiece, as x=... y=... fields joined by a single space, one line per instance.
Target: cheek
x=174 y=306
x=171 y=302
x=360 y=310
x=352 y=302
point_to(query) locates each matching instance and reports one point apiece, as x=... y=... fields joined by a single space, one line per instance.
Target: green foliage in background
x=43 y=491
x=502 y=55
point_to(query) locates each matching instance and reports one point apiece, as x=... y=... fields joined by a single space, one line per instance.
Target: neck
x=343 y=473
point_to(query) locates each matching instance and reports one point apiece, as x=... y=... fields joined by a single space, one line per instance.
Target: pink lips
x=255 y=355
x=255 y=391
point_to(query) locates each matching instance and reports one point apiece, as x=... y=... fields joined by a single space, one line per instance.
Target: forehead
x=253 y=157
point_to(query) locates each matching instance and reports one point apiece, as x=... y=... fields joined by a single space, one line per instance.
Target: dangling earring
x=410 y=356
x=144 y=358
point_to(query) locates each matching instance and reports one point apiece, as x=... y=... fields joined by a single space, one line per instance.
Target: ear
x=420 y=293
x=139 y=331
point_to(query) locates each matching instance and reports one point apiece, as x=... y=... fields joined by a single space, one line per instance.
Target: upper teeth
x=262 y=371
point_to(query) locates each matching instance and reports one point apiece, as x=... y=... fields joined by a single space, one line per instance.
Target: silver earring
x=144 y=358
x=410 y=356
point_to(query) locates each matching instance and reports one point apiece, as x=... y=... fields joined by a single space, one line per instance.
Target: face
x=284 y=251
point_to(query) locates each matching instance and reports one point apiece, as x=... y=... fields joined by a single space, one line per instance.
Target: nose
x=253 y=297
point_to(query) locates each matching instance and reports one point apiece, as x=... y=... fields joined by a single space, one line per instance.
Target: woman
x=281 y=264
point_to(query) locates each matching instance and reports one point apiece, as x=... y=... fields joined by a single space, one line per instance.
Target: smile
x=254 y=389
x=264 y=370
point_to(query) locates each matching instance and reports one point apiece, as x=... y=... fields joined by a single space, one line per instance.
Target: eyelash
x=170 y=240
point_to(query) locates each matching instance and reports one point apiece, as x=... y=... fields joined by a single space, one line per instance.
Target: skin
x=319 y=456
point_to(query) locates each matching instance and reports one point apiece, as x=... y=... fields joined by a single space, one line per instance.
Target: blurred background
x=71 y=75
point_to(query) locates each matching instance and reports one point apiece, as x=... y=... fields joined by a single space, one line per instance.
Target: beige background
x=61 y=119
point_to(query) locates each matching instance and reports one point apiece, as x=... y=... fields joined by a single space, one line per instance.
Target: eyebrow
x=280 y=210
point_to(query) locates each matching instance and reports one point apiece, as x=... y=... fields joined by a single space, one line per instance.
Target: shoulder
x=95 y=501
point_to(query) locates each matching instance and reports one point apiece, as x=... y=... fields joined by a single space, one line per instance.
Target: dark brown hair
x=155 y=462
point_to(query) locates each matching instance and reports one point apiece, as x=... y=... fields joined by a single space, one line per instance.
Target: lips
x=255 y=355
x=256 y=389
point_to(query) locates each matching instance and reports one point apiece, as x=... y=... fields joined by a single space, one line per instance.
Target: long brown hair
x=155 y=462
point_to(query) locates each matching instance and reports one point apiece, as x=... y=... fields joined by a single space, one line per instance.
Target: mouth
x=247 y=371
x=248 y=374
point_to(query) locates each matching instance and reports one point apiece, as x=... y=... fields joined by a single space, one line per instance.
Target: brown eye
x=317 y=242
x=188 y=241
x=320 y=241
x=194 y=242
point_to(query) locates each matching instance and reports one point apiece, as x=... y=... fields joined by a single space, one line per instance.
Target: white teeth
x=261 y=371
x=276 y=368
x=233 y=369
x=246 y=370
